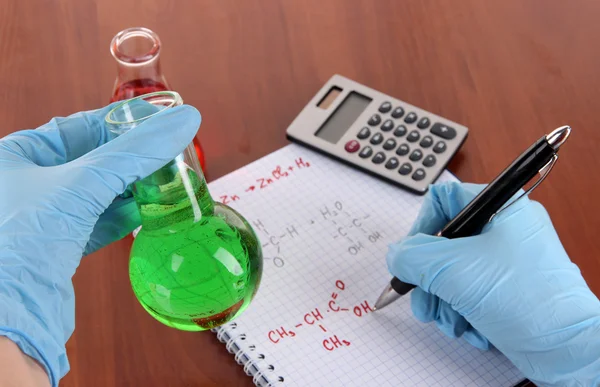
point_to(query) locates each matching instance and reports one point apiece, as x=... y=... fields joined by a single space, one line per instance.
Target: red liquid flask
x=137 y=51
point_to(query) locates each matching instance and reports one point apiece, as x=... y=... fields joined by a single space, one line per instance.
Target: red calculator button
x=352 y=146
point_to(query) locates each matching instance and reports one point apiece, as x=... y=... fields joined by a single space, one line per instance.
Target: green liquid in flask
x=195 y=264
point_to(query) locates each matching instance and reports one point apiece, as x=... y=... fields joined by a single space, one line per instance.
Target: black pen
x=539 y=158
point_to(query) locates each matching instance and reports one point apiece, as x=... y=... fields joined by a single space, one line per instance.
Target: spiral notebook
x=325 y=229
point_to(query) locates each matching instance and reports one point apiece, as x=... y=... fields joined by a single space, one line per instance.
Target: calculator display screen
x=343 y=117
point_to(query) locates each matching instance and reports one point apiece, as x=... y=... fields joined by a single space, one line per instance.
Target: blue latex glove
x=59 y=188
x=513 y=287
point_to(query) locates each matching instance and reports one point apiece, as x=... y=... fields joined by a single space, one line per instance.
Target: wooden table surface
x=510 y=70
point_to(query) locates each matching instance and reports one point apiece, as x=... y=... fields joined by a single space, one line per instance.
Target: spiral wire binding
x=258 y=375
x=258 y=368
x=238 y=358
x=247 y=366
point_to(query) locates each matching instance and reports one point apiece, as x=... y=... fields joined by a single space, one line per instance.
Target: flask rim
x=176 y=100
x=132 y=32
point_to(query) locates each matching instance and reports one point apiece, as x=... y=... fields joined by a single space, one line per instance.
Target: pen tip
x=388 y=296
x=558 y=136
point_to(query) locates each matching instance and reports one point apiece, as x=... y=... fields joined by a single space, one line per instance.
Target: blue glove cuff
x=24 y=329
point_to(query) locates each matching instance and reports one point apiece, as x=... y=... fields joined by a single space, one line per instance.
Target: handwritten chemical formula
x=344 y=226
x=335 y=222
x=317 y=319
x=278 y=173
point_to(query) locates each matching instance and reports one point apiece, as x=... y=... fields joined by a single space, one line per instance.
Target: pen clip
x=544 y=172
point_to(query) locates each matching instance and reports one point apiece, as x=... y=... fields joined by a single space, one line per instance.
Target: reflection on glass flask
x=196 y=263
x=137 y=53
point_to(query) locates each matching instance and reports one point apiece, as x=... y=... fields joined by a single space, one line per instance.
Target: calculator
x=378 y=134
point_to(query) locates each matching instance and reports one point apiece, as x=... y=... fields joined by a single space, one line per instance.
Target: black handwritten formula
x=340 y=224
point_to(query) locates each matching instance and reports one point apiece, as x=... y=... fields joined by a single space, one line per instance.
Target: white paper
x=325 y=228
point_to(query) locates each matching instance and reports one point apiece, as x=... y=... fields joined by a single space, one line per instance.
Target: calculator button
x=429 y=161
x=374 y=120
x=378 y=158
x=426 y=142
x=385 y=107
x=389 y=144
x=352 y=146
x=398 y=112
x=387 y=125
x=444 y=131
x=440 y=147
x=410 y=117
x=400 y=131
x=413 y=136
x=423 y=123
x=402 y=150
x=392 y=163
x=366 y=152
x=405 y=169
x=416 y=155
x=419 y=174
x=376 y=139
x=364 y=133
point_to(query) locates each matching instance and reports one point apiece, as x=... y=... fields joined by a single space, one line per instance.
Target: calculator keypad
x=374 y=120
x=416 y=155
x=385 y=107
x=423 y=123
x=403 y=150
x=429 y=161
x=352 y=146
x=392 y=163
x=387 y=125
x=366 y=152
x=440 y=147
x=419 y=174
x=413 y=136
x=379 y=158
x=426 y=142
x=398 y=112
x=410 y=117
x=411 y=157
x=444 y=131
x=377 y=139
x=389 y=144
x=405 y=169
x=364 y=133
x=400 y=131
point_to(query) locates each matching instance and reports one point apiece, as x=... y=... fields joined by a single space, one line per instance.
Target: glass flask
x=196 y=263
x=137 y=53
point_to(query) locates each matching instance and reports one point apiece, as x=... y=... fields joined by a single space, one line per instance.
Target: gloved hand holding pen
x=513 y=287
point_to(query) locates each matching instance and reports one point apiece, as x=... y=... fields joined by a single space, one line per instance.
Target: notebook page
x=325 y=228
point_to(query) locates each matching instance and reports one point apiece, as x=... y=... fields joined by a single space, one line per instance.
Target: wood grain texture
x=510 y=70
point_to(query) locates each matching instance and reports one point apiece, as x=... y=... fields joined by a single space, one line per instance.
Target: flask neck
x=177 y=193
x=145 y=71
x=137 y=53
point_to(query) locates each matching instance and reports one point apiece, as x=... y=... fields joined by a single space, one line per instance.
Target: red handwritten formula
x=317 y=318
x=278 y=173
x=336 y=223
